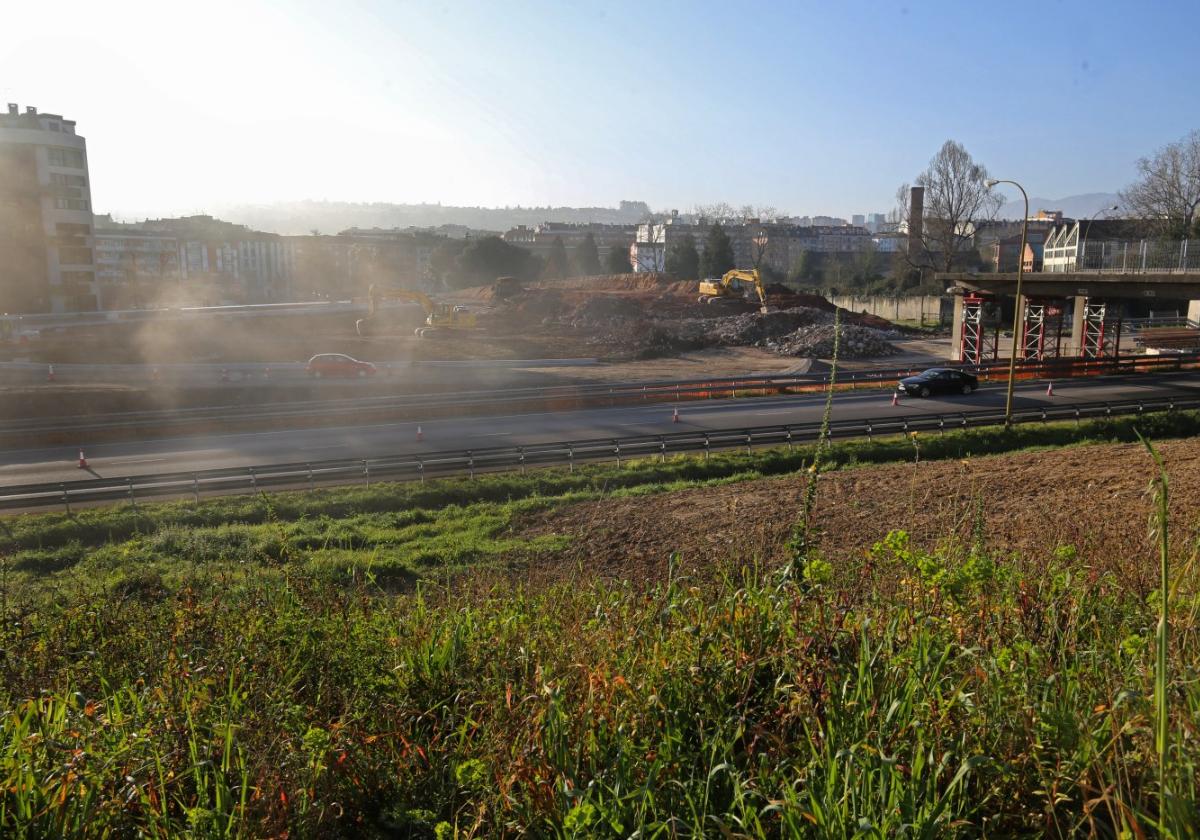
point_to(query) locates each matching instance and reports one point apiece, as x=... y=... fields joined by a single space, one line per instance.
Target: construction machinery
x=439 y=317
x=729 y=287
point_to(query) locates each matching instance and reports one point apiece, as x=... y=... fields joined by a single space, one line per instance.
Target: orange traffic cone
x=83 y=464
x=1049 y=389
x=675 y=415
x=895 y=398
x=420 y=436
x=50 y=374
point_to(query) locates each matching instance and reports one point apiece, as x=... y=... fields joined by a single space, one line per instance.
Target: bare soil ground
x=1093 y=498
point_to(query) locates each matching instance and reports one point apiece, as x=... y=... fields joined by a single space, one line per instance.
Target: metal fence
x=472 y=462
x=1145 y=256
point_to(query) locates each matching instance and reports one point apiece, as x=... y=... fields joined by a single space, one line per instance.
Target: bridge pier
x=956 y=330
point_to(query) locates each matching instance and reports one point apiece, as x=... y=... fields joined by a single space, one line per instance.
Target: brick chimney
x=916 y=221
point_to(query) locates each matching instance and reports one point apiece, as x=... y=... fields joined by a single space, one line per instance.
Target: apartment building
x=46 y=258
x=191 y=260
x=539 y=239
x=778 y=246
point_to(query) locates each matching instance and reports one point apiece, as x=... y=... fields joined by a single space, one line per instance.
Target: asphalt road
x=233 y=450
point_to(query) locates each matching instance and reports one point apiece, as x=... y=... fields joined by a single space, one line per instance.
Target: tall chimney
x=916 y=221
x=13 y=108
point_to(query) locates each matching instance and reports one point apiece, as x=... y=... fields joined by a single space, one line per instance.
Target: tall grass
x=233 y=679
x=1168 y=818
x=920 y=692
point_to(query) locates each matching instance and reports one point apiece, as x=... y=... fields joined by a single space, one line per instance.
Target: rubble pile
x=816 y=341
x=757 y=329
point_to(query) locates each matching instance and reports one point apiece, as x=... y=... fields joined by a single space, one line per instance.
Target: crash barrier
x=471 y=462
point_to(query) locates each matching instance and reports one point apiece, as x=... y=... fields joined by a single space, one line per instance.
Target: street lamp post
x=1012 y=356
x=1083 y=244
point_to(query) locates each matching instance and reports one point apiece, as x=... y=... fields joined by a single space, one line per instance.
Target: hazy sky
x=813 y=107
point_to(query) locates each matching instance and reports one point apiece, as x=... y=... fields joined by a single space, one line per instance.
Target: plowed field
x=1093 y=498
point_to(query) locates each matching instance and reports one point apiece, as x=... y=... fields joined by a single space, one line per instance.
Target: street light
x=1012 y=357
x=1083 y=244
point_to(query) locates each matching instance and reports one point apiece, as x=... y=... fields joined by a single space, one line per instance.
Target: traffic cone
x=675 y=415
x=83 y=464
x=50 y=374
x=420 y=436
x=1049 y=389
x=895 y=398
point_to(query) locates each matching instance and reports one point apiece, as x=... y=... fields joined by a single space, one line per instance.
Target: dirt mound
x=647 y=282
x=816 y=341
x=604 y=309
x=1089 y=497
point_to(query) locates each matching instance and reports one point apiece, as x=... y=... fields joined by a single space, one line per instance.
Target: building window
x=70 y=204
x=59 y=156
x=59 y=179
x=75 y=256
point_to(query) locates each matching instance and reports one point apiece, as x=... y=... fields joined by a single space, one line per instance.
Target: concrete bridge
x=1046 y=299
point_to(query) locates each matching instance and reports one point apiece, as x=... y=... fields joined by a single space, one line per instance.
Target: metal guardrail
x=470 y=462
x=559 y=397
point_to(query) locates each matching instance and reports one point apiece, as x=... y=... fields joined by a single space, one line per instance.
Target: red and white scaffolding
x=975 y=346
x=1099 y=338
x=1041 y=329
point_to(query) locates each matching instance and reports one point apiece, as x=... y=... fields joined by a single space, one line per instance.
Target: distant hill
x=1073 y=206
x=301 y=217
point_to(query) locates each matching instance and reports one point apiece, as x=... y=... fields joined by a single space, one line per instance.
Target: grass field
x=373 y=663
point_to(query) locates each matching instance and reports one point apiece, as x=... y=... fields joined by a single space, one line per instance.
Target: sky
x=810 y=107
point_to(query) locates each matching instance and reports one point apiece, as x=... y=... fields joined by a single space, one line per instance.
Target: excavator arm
x=375 y=294
x=438 y=316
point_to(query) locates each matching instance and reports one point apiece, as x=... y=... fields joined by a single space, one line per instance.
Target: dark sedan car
x=939 y=381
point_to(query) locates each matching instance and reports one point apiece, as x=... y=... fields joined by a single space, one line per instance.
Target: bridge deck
x=1182 y=285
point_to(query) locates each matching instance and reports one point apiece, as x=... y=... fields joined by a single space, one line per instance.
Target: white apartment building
x=46 y=259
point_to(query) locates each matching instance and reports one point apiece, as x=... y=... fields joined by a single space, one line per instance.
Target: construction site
x=617 y=328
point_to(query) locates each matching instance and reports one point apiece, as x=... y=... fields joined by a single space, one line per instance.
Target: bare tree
x=714 y=212
x=956 y=201
x=1168 y=189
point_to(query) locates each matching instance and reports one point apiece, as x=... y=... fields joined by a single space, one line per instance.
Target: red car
x=338 y=364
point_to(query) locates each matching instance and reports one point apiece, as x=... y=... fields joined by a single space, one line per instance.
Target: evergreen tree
x=461 y=263
x=556 y=263
x=717 y=257
x=618 y=260
x=587 y=257
x=802 y=268
x=683 y=261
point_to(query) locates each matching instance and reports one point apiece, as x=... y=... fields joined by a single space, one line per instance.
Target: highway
x=21 y=466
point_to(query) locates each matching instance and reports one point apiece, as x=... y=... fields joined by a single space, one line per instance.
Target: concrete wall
x=929 y=309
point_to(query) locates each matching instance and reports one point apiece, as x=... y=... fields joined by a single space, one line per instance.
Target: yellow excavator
x=729 y=287
x=439 y=317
